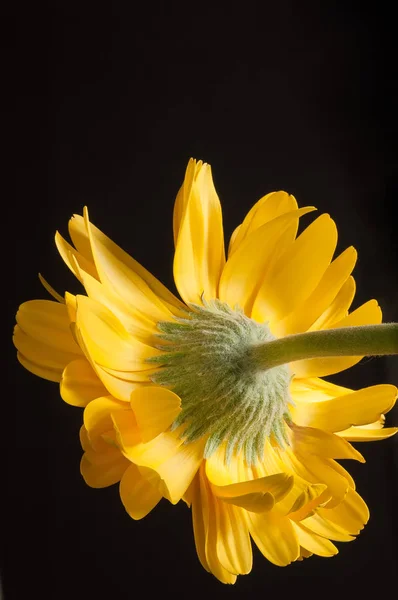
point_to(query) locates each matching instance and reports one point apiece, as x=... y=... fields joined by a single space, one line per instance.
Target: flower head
x=176 y=405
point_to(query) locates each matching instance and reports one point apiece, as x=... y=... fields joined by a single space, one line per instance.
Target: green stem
x=345 y=341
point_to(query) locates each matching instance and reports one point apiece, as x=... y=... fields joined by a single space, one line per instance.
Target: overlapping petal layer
x=297 y=500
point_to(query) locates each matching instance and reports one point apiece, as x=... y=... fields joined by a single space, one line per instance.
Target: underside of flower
x=224 y=395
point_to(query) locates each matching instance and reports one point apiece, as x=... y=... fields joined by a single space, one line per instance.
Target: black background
x=110 y=106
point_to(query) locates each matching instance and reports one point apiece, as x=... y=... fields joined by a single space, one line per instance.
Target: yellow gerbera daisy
x=176 y=404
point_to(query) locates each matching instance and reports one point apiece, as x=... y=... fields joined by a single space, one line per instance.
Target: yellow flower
x=173 y=406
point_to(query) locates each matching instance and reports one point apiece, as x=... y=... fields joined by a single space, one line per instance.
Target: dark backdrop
x=110 y=106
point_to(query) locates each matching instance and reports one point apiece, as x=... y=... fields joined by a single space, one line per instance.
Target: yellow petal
x=74 y=259
x=314 y=543
x=367 y=314
x=88 y=232
x=304 y=505
x=143 y=376
x=173 y=463
x=120 y=275
x=79 y=236
x=199 y=255
x=315 y=389
x=128 y=436
x=363 y=434
x=134 y=322
x=248 y=267
x=175 y=474
x=107 y=341
x=48 y=322
x=220 y=472
x=351 y=514
x=308 y=440
x=325 y=528
x=278 y=485
x=337 y=414
x=97 y=418
x=100 y=476
x=298 y=271
x=40 y=371
x=232 y=239
x=313 y=307
x=273 y=474
x=51 y=290
x=120 y=388
x=275 y=537
x=138 y=496
x=208 y=507
x=80 y=384
x=155 y=408
x=267 y=208
x=184 y=194
x=41 y=354
x=70 y=303
x=319 y=470
x=338 y=309
x=256 y=502
x=199 y=526
x=233 y=545
x=151 y=454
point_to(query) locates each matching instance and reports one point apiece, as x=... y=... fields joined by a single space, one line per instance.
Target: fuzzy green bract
x=225 y=395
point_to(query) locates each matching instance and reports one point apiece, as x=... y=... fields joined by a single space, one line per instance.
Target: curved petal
x=138 y=496
x=85 y=235
x=43 y=356
x=107 y=341
x=325 y=528
x=198 y=521
x=233 y=545
x=266 y=209
x=308 y=440
x=170 y=463
x=363 y=434
x=80 y=384
x=278 y=485
x=174 y=475
x=134 y=322
x=320 y=471
x=70 y=303
x=313 y=307
x=97 y=419
x=183 y=196
x=338 y=309
x=118 y=387
x=208 y=509
x=104 y=474
x=304 y=505
x=199 y=255
x=40 y=370
x=351 y=514
x=73 y=259
x=122 y=278
x=249 y=266
x=155 y=408
x=51 y=290
x=257 y=502
x=48 y=322
x=314 y=543
x=341 y=412
x=275 y=537
x=232 y=239
x=297 y=272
